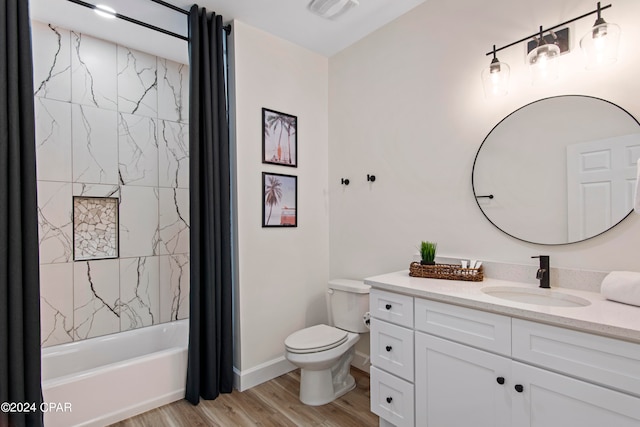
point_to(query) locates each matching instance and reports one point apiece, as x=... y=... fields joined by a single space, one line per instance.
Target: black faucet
x=543 y=272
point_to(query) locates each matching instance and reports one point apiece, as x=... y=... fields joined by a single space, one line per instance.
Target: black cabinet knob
x=389 y=399
x=388 y=348
x=500 y=380
x=519 y=388
x=388 y=306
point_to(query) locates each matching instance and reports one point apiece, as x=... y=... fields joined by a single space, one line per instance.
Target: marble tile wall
x=110 y=122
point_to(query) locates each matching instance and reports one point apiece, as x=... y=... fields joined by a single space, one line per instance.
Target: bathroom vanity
x=453 y=353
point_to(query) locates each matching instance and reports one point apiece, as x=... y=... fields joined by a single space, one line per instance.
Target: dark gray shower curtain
x=210 y=365
x=19 y=274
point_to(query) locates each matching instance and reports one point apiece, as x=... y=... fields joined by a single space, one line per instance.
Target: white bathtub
x=99 y=381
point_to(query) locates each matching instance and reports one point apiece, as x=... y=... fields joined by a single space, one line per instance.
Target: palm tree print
x=272 y=194
x=290 y=124
x=277 y=124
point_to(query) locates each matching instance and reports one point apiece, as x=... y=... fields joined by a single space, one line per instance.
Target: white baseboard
x=244 y=380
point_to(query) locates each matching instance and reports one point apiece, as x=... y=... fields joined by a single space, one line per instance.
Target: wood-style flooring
x=274 y=403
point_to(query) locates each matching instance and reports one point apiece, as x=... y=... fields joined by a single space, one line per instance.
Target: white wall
x=282 y=273
x=406 y=104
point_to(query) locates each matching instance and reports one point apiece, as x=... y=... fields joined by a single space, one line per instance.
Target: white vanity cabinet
x=475 y=368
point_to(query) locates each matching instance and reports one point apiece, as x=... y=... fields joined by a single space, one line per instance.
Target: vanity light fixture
x=543 y=60
x=105 y=11
x=600 y=45
x=495 y=78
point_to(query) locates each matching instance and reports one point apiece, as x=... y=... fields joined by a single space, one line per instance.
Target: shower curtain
x=20 y=389
x=210 y=365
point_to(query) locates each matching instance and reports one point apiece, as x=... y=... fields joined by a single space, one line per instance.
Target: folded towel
x=636 y=206
x=622 y=286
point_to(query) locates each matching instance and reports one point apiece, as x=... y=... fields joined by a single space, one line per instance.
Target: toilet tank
x=349 y=301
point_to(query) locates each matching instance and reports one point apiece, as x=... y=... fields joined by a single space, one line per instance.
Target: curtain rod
x=170 y=6
x=133 y=21
x=227 y=28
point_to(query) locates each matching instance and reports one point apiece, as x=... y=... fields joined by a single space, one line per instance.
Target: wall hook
x=344 y=181
x=371 y=178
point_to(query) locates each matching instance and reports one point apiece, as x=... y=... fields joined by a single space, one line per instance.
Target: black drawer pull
x=519 y=388
x=388 y=348
x=389 y=399
x=388 y=306
x=500 y=380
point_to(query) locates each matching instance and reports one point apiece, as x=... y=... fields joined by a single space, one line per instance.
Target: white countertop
x=601 y=316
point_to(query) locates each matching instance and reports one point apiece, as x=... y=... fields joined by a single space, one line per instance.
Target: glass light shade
x=600 y=45
x=495 y=79
x=544 y=63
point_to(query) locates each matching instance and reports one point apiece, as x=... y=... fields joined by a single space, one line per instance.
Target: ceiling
x=287 y=19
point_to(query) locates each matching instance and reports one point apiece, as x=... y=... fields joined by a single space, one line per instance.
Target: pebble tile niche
x=95 y=228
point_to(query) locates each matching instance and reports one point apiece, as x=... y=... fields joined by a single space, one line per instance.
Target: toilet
x=324 y=353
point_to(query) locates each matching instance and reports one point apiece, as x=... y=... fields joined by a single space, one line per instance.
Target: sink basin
x=537 y=296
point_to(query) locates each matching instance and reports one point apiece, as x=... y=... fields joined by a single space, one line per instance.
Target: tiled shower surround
x=110 y=122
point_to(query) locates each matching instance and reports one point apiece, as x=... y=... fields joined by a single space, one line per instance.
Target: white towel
x=636 y=206
x=622 y=286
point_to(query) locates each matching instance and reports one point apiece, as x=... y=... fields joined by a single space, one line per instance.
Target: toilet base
x=319 y=387
x=324 y=392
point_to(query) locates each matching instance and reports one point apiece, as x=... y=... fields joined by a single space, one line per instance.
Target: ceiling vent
x=331 y=9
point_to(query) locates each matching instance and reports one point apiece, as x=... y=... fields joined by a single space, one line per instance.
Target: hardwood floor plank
x=271 y=404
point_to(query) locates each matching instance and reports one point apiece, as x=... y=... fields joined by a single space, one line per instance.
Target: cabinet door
x=548 y=399
x=457 y=385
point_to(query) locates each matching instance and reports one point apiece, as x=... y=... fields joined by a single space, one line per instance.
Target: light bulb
x=495 y=79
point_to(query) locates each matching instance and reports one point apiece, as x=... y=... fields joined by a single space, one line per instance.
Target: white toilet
x=324 y=353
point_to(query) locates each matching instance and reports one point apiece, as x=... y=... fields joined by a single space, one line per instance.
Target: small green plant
x=428 y=252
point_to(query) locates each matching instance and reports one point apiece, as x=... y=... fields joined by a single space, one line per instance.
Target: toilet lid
x=314 y=339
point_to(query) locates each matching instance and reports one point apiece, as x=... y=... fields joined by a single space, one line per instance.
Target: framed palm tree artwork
x=279 y=138
x=279 y=200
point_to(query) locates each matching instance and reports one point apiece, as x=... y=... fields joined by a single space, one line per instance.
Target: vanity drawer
x=391 y=398
x=392 y=348
x=601 y=360
x=487 y=331
x=391 y=307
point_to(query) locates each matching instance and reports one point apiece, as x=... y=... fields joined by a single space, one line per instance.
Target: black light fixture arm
x=597 y=11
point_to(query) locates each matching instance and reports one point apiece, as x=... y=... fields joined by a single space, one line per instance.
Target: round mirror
x=559 y=170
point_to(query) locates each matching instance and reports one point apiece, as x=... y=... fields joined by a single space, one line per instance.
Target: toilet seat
x=314 y=339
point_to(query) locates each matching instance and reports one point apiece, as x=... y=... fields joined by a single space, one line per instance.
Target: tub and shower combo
x=99 y=381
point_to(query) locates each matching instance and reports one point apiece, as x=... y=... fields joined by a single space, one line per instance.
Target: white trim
x=248 y=378
x=245 y=379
